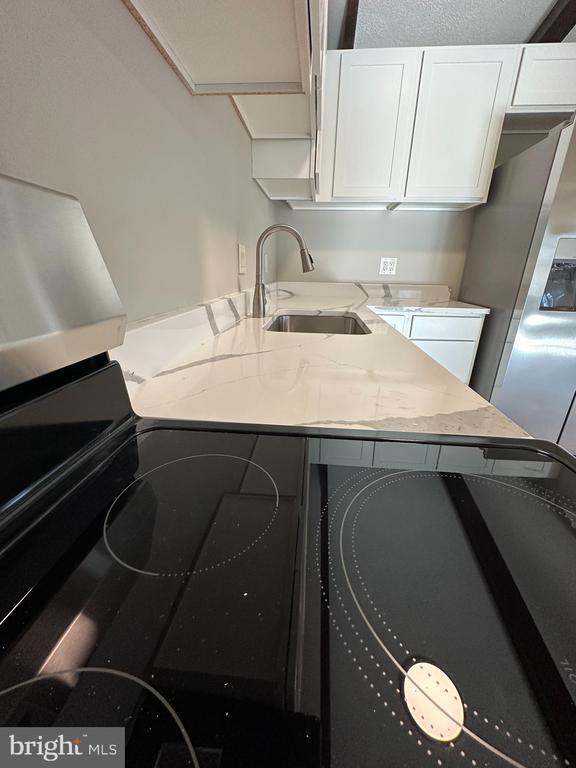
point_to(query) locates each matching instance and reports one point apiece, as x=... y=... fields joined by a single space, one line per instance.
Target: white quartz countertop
x=428 y=307
x=247 y=374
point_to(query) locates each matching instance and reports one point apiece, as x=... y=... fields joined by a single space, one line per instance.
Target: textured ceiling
x=390 y=23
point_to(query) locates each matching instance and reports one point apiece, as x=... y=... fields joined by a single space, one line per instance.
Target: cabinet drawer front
x=454 y=459
x=456 y=356
x=405 y=455
x=446 y=328
x=376 y=105
x=350 y=453
x=547 y=76
x=396 y=321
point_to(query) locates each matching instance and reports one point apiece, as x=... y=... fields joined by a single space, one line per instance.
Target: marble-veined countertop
x=247 y=374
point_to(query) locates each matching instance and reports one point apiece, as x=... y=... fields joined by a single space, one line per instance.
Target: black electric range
x=244 y=597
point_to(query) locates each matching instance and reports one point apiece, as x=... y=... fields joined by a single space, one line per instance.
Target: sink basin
x=347 y=323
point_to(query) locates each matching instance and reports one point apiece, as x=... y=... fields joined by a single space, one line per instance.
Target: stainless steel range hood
x=58 y=304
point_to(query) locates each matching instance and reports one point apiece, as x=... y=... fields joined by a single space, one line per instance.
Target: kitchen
x=253 y=255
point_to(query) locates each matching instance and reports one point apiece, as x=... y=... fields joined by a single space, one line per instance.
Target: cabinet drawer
x=456 y=356
x=348 y=453
x=463 y=459
x=405 y=455
x=547 y=76
x=446 y=328
x=396 y=321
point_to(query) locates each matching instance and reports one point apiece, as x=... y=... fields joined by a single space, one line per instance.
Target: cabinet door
x=464 y=93
x=456 y=356
x=376 y=105
x=547 y=76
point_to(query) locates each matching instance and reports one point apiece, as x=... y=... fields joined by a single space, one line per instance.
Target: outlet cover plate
x=388 y=266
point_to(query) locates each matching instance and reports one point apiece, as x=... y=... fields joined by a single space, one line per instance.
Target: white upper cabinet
x=412 y=128
x=547 y=76
x=376 y=104
x=464 y=93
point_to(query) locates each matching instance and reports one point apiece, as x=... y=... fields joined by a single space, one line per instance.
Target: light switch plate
x=241 y=259
x=388 y=266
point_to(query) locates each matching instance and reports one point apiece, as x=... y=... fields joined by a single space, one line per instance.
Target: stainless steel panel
x=538 y=384
x=504 y=230
x=568 y=434
x=58 y=304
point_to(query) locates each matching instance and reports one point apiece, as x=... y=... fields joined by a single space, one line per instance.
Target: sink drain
x=433 y=702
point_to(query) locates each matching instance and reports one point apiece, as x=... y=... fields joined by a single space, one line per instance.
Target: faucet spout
x=307 y=260
x=259 y=303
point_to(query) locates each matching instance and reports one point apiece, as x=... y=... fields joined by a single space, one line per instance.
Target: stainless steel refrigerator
x=522 y=264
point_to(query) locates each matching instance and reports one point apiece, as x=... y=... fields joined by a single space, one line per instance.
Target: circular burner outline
x=117 y=673
x=356 y=482
x=474 y=736
x=167 y=464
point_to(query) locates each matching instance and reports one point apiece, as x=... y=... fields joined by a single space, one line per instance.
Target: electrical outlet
x=388 y=266
x=241 y=259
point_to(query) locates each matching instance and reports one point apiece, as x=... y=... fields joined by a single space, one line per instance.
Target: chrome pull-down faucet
x=259 y=303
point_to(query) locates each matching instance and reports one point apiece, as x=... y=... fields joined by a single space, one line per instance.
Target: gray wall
x=89 y=107
x=347 y=245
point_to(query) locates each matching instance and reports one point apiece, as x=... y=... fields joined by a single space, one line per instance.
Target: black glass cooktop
x=245 y=600
x=443 y=580
x=163 y=589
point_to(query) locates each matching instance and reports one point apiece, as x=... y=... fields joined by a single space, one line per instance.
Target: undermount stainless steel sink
x=347 y=323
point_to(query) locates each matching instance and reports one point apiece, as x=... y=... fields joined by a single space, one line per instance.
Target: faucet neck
x=259 y=304
x=265 y=235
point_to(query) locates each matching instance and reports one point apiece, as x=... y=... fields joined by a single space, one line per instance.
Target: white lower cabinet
x=393 y=455
x=396 y=321
x=406 y=455
x=456 y=356
x=446 y=328
x=349 y=453
x=452 y=341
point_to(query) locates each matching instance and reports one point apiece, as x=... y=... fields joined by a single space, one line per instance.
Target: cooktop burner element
x=433 y=702
x=165 y=604
x=429 y=587
x=174 y=496
x=87 y=694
